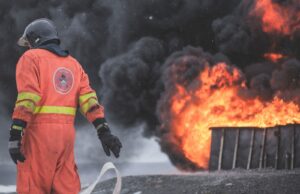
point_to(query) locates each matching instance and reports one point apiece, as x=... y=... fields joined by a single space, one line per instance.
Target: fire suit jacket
x=51 y=87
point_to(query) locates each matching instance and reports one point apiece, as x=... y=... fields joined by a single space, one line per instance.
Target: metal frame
x=259 y=154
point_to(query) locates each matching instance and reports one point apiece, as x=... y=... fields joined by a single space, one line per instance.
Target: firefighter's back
x=59 y=82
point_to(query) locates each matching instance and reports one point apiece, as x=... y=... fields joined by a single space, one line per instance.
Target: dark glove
x=14 y=144
x=109 y=141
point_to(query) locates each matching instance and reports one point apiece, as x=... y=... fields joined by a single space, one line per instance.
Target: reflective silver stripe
x=13 y=144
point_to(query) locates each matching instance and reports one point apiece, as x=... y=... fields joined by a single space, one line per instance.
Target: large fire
x=278 y=18
x=216 y=103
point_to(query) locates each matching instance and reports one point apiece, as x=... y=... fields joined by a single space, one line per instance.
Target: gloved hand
x=109 y=141
x=14 y=144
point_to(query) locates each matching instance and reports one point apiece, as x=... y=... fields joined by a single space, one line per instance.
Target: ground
x=224 y=182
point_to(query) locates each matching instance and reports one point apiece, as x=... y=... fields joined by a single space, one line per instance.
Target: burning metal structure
x=215 y=101
x=255 y=148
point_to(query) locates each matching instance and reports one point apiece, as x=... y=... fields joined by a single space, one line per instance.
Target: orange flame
x=274 y=57
x=277 y=18
x=216 y=103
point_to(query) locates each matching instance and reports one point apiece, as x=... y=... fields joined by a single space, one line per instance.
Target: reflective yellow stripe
x=89 y=104
x=55 y=110
x=28 y=96
x=26 y=103
x=17 y=127
x=85 y=97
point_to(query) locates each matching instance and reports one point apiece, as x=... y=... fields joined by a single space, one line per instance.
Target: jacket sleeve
x=27 y=79
x=88 y=101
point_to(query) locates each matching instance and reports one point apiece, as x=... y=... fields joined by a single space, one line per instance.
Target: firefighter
x=51 y=84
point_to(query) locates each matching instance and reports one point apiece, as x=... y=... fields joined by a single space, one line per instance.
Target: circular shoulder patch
x=63 y=80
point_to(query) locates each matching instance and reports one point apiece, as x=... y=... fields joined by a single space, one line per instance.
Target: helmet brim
x=23 y=42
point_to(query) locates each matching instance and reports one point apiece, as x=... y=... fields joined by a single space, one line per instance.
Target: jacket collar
x=55 y=48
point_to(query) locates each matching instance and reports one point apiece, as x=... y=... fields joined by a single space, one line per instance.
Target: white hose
x=107 y=166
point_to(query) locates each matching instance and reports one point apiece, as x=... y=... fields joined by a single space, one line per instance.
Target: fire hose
x=107 y=166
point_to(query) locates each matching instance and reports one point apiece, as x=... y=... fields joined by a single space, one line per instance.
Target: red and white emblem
x=63 y=80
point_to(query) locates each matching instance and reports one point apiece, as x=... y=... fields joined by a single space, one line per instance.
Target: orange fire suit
x=50 y=88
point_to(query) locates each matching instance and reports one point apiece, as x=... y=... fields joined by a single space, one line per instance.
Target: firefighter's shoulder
x=75 y=61
x=31 y=54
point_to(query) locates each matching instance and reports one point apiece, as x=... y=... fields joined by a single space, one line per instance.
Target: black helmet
x=38 y=32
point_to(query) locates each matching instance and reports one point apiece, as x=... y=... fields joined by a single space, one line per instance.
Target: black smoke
x=129 y=84
x=135 y=51
x=236 y=38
